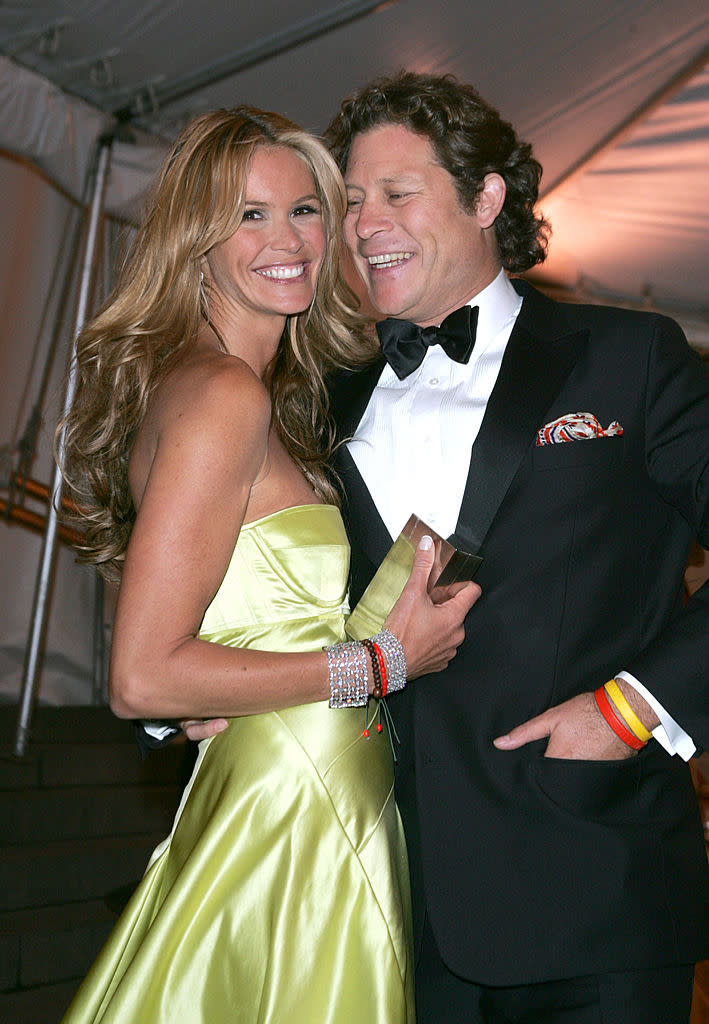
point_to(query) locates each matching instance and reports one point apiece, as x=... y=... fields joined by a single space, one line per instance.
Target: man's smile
x=388 y=259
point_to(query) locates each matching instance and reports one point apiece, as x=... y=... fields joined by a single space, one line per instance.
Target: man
x=558 y=872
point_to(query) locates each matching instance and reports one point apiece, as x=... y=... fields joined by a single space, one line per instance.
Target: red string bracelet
x=382 y=666
x=614 y=722
x=377 y=685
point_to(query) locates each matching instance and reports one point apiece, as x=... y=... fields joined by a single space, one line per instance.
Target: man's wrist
x=669 y=733
x=620 y=717
x=639 y=705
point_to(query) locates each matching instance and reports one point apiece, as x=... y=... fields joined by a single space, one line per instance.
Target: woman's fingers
x=423 y=562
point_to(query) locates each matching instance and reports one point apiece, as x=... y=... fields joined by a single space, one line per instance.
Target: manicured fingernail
x=426 y=542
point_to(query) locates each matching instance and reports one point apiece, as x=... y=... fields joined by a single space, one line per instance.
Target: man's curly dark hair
x=470 y=140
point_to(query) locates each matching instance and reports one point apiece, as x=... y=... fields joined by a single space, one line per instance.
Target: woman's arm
x=212 y=444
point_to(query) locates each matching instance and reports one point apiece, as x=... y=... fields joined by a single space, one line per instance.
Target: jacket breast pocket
x=594 y=451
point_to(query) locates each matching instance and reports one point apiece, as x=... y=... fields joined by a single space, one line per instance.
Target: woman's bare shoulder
x=210 y=384
x=212 y=409
x=208 y=394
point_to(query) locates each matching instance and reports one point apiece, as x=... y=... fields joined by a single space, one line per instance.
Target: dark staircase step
x=45 y=945
x=80 y=814
x=66 y=871
x=44 y=1004
x=89 y=724
x=83 y=812
x=74 y=764
x=89 y=764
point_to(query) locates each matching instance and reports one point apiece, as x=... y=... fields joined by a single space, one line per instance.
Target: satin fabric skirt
x=278 y=896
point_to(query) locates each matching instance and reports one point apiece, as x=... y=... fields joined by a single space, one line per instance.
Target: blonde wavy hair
x=159 y=304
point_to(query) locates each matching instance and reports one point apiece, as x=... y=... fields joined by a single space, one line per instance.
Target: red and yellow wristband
x=614 y=720
x=632 y=721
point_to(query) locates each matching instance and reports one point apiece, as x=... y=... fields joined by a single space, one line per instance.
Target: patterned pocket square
x=576 y=426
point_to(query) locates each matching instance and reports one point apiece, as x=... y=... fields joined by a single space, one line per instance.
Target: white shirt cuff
x=159 y=730
x=668 y=733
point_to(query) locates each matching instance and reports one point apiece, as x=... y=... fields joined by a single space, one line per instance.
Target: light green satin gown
x=281 y=895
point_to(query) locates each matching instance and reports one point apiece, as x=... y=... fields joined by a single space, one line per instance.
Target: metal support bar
x=293 y=35
x=36 y=522
x=35 y=642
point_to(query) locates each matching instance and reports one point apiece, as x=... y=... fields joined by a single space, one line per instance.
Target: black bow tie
x=404 y=344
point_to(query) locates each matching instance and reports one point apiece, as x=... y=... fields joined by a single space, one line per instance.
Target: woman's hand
x=430 y=632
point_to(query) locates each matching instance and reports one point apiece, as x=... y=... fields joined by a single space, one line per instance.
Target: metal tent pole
x=295 y=34
x=95 y=189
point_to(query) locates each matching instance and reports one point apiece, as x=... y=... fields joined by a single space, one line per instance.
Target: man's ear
x=490 y=199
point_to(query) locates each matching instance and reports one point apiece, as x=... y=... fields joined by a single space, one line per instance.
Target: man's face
x=418 y=252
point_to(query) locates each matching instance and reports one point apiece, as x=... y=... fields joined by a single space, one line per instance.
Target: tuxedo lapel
x=539 y=357
x=365 y=528
x=349 y=396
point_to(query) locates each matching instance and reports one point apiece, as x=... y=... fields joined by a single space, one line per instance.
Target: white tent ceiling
x=631 y=221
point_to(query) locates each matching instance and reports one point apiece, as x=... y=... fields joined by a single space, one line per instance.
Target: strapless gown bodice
x=281 y=894
x=286 y=585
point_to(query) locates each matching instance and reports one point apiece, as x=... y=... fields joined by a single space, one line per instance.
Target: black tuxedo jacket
x=533 y=868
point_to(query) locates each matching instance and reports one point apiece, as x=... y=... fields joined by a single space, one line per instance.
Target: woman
x=196 y=447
